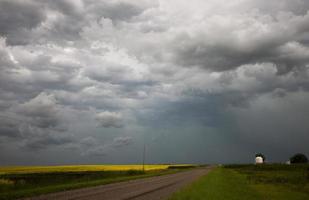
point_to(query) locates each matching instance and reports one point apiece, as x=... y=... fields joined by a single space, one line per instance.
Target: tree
x=299 y=158
x=260 y=155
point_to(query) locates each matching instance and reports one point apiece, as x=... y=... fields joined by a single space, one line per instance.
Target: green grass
x=271 y=182
x=17 y=182
x=277 y=181
x=218 y=184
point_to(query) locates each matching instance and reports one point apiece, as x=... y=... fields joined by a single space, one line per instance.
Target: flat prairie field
x=79 y=168
x=24 y=181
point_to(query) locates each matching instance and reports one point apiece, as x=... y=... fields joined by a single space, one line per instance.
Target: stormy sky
x=199 y=81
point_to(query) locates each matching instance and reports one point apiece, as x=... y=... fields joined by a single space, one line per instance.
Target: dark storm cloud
x=9 y=127
x=29 y=135
x=204 y=110
x=221 y=52
x=263 y=126
x=114 y=10
x=90 y=146
x=101 y=78
x=47 y=141
x=122 y=141
x=23 y=22
x=66 y=7
x=76 y=15
x=41 y=111
x=36 y=124
x=17 y=18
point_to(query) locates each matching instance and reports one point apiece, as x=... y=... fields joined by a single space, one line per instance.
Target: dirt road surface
x=160 y=187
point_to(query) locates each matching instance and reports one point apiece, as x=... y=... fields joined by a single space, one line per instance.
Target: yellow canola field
x=79 y=168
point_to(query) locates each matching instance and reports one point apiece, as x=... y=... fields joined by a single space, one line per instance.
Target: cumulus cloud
x=254 y=37
x=9 y=127
x=91 y=146
x=30 y=136
x=109 y=119
x=115 y=10
x=71 y=69
x=36 y=124
x=17 y=18
x=122 y=141
x=47 y=141
x=41 y=110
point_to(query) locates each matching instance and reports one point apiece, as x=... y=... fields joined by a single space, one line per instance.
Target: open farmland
x=29 y=181
x=80 y=168
x=273 y=182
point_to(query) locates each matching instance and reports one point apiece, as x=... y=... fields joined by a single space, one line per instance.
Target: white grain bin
x=259 y=160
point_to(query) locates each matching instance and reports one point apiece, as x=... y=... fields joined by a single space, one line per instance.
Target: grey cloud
x=124 y=80
x=115 y=10
x=109 y=119
x=35 y=124
x=91 y=146
x=108 y=72
x=233 y=50
x=29 y=72
x=227 y=40
x=70 y=17
x=88 y=141
x=122 y=141
x=9 y=127
x=30 y=136
x=23 y=22
x=17 y=18
x=66 y=7
x=193 y=108
x=66 y=29
x=95 y=151
x=263 y=125
x=263 y=78
x=299 y=7
x=47 y=141
x=41 y=111
x=5 y=61
x=100 y=76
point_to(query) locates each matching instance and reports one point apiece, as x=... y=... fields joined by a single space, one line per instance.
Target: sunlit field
x=16 y=182
x=80 y=168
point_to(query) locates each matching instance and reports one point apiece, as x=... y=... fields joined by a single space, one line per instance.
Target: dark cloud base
x=91 y=81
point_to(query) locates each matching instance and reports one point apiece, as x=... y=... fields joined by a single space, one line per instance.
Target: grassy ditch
x=218 y=184
x=277 y=181
x=272 y=182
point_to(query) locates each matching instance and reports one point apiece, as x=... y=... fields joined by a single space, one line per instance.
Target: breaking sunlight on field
x=80 y=168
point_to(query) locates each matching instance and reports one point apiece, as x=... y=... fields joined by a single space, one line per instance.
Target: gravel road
x=160 y=187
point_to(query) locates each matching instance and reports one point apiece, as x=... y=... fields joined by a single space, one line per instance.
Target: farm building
x=259 y=160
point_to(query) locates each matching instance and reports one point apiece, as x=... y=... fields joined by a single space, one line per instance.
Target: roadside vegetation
x=218 y=184
x=17 y=182
x=248 y=182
